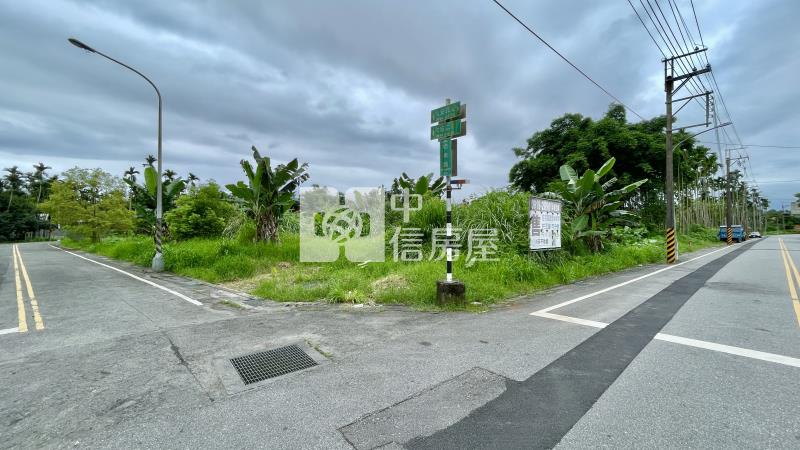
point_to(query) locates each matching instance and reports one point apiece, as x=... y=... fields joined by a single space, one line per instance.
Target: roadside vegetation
x=607 y=173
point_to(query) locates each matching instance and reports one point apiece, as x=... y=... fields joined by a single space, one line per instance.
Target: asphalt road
x=703 y=354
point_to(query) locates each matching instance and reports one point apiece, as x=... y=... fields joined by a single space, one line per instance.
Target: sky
x=348 y=86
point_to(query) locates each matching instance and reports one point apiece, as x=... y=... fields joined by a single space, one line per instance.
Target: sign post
x=449 y=128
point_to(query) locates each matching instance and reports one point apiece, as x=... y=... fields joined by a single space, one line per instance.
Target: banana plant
x=268 y=192
x=425 y=184
x=143 y=196
x=593 y=205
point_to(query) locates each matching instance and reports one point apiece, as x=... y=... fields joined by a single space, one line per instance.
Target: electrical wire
x=567 y=60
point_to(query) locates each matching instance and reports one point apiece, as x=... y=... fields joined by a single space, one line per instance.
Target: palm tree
x=149 y=161
x=169 y=175
x=39 y=177
x=14 y=180
x=193 y=179
x=268 y=192
x=131 y=174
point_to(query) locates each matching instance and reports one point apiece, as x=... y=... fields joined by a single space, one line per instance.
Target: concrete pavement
x=121 y=363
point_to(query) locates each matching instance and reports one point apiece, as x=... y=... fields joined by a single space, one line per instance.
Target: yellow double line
x=37 y=317
x=788 y=264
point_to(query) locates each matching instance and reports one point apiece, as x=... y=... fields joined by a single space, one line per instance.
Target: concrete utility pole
x=670 y=77
x=728 y=200
x=729 y=196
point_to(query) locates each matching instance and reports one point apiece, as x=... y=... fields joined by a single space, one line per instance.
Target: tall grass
x=279 y=276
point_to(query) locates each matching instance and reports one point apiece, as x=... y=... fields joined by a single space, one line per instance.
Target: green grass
x=272 y=270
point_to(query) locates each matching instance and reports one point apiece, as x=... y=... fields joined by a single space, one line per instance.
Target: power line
x=670 y=48
x=780 y=181
x=759 y=145
x=648 y=30
x=567 y=60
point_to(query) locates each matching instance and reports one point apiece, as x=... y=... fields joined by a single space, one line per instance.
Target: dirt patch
x=389 y=282
x=248 y=284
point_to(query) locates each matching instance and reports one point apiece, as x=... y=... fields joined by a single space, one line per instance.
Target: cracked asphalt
x=122 y=364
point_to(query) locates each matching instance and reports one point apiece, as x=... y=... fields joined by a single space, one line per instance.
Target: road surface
x=703 y=354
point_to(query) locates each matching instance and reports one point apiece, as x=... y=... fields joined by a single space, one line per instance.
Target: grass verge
x=272 y=270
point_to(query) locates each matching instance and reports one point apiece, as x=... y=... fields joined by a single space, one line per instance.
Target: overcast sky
x=348 y=85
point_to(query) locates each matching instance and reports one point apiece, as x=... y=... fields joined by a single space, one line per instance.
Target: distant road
x=703 y=354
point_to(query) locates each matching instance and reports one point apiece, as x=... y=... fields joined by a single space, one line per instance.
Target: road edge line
x=22 y=316
x=624 y=283
x=155 y=285
x=37 y=317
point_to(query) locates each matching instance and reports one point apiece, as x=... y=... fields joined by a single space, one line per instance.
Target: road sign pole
x=449 y=127
x=449 y=231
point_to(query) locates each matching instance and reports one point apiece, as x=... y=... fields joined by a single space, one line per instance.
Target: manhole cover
x=271 y=363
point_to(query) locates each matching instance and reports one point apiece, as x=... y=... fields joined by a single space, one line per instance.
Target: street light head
x=81 y=45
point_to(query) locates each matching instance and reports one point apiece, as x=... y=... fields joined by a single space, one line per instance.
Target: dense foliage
x=268 y=193
x=89 y=203
x=20 y=195
x=203 y=211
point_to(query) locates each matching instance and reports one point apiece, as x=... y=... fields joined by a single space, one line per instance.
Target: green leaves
x=425 y=184
x=568 y=174
x=593 y=207
x=267 y=192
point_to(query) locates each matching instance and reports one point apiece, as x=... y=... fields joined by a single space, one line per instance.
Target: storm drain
x=271 y=363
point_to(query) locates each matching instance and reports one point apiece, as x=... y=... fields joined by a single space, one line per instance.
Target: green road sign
x=448 y=151
x=447 y=112
x=448 y=130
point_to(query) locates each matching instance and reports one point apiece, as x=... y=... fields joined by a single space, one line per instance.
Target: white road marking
x=625 y=283
x=155 y=285
x=10 y=330
x=746 y=352
x=729 y=349
x=588 y=323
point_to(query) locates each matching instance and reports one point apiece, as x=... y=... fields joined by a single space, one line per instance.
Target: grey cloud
x=349 y=84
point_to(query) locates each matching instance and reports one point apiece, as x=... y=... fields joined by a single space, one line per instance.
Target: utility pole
x=729 y=197
x=670 y=77
x=728 y=200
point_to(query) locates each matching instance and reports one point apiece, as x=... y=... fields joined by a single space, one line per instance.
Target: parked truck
x=737 y=232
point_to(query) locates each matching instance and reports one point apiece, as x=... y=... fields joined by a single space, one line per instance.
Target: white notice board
x=545 y=223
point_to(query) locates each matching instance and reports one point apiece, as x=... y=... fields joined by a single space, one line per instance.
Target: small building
x=795 y=209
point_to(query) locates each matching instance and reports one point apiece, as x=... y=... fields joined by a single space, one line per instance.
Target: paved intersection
x=704 y=354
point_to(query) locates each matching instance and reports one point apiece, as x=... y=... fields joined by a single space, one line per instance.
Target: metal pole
x=668 y=181
x=158 y=260
x=449 y=230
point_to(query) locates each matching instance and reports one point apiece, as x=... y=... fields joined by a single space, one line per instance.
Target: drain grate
x=271 y=363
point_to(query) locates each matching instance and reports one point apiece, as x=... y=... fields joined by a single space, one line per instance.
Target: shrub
x=203 y=212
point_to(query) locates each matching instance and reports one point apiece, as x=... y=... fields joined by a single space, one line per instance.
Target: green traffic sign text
x=447 y=130
x=447 y=157
x=446 y=112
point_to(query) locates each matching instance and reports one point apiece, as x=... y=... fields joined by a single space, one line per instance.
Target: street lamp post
x=158 y=259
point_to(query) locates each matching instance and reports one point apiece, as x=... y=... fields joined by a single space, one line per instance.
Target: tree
x=423 y=185
x=39 y=180
x=144 y=196
x=13 y=183
x=203 y=212
x=89 y=202
x=583 y=143
x=592 y=206
x=268 y=192
x=130 y=174
x=192 y=179
x=169 y=175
